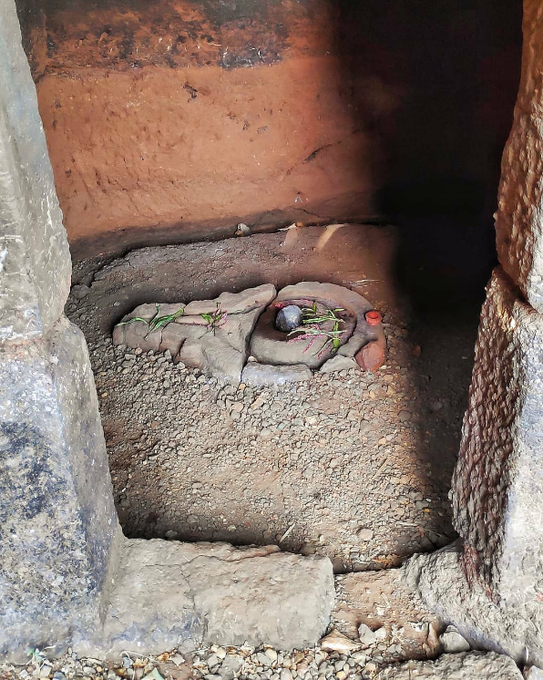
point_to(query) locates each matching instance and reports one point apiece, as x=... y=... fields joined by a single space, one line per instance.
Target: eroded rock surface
x=440 y=581
x=465 y=666
x=519 y=220
x=497 y=486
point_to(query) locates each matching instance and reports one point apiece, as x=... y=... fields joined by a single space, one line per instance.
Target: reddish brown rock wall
x=169 y=120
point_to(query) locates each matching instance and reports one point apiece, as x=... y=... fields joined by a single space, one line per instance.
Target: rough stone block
x=57 y=519
x=465 y=666
x=338 y=363
x=497 y=489
x=519 y=220
x=280 y=599
x=151 y=607
x=186 y=595
x=34 y=257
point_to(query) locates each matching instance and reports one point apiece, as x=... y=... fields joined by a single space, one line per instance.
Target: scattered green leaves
x=312 y=321
x=215 y=319
x=157 y=321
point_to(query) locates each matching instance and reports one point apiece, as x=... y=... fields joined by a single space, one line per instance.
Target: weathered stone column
x=492 y=588
x=498 y=485
x=57 y=518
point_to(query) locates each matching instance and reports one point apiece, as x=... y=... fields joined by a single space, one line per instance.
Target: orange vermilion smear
x=373 y=318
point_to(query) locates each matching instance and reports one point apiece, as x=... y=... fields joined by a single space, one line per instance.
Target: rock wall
x=175 y=120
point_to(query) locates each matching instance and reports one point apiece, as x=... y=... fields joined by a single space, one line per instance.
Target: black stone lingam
x=288 y=318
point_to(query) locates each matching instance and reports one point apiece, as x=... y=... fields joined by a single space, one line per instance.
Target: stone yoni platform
x=235 y=336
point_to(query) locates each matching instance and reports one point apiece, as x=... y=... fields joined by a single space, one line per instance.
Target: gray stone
x=338 y=363
x=80 y=291
x=533 y=673
x=365 y=534
x=263 y=660
x=229 y=667
x=34 y=257
x=186 y=595
x=466 y=666
x=58 y=524
x=366 y=635
x=213 y=661
x=266 y=374
x=288 y=318
x=497 y=490
x=453 y=642
x=235 y=303
x=282 y=600
x=242 y=230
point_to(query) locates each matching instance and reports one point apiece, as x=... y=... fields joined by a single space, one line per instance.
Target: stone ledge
x=186 y=595
x=464 y=666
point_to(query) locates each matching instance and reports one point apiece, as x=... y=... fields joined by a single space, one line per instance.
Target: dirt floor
x=352 y=465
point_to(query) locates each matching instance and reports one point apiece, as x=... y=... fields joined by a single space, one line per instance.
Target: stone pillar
x=519 y=220
x=34 y=257
x=498 y=484
x=497 y=488
x=57 y=518
x=492 y=588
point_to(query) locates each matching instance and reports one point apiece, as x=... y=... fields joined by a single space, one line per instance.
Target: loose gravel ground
x=215 y=663
x=352 y=465
x=331 y=466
